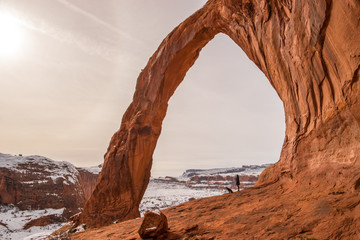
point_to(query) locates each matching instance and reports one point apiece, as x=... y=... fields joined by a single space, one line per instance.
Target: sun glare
x=11 y=36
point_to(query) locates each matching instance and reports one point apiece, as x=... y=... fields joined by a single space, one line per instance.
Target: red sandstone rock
x=36 y=182
x=298 y=212
x=154 y=225
x=88 y=181
x=310 y=52
x=10 y=190
x=44 y=221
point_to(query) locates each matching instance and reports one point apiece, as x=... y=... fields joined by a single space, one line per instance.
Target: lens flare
x=12 y=36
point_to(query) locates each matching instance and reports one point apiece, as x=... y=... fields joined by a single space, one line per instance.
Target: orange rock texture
x=267 y=212
x=88 y=181
x=310 y=52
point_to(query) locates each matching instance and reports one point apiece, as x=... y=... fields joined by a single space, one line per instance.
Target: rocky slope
x=39 y=183
x=253 y=214
x=309 y=51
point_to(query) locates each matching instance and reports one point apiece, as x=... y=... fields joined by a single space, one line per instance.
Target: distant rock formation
x=88 y=178
x=310 y=52
x=220 y=178
x=36 y=182
x=220 y=182
x=243 y=170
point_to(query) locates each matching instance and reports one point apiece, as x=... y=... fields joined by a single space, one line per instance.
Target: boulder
x=154 y=225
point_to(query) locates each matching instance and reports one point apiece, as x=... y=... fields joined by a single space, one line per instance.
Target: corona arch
x=299 y=45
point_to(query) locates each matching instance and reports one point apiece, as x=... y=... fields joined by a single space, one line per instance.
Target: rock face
x=9 y=190
x=310 y=52
x=88 y=178
x=35 y=182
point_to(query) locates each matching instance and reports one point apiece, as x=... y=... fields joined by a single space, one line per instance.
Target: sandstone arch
x=310 y=57
x=218 y=127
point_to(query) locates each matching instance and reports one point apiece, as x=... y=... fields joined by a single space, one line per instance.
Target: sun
x=12 y=35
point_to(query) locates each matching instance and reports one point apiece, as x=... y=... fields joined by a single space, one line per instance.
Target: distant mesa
x=245 y=169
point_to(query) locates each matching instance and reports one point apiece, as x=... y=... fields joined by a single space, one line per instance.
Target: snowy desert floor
x=157 y=196
x=15 y=219
x=161 y=195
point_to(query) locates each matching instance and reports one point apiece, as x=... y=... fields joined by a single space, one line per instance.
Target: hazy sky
x=63 y=94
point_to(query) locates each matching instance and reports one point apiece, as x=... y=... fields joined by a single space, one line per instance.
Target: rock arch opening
x=224 y=114
x=300 y=48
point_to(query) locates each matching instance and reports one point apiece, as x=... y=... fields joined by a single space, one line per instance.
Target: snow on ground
x=160 y=195
x=94 y=169
x=167 y=192
x=15 y=220
x=53 y=169
x=34 y=233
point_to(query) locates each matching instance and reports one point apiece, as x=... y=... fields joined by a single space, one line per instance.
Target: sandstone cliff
x=310 y=52
x=88 y=178
x=35 y=182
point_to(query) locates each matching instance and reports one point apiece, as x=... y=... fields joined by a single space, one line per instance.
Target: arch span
x=216 y=118
x=299 y=46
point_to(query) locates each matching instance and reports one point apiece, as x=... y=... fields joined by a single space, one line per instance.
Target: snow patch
x=161 y=195
x=94 y=169
x=157 y=211
x=16 y=219
x=150 y=229
x=170 y=191
x=44 y=166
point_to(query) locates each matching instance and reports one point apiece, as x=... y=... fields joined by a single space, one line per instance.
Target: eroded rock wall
x=309 y=51
x=36 y=182
x=87 y=181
